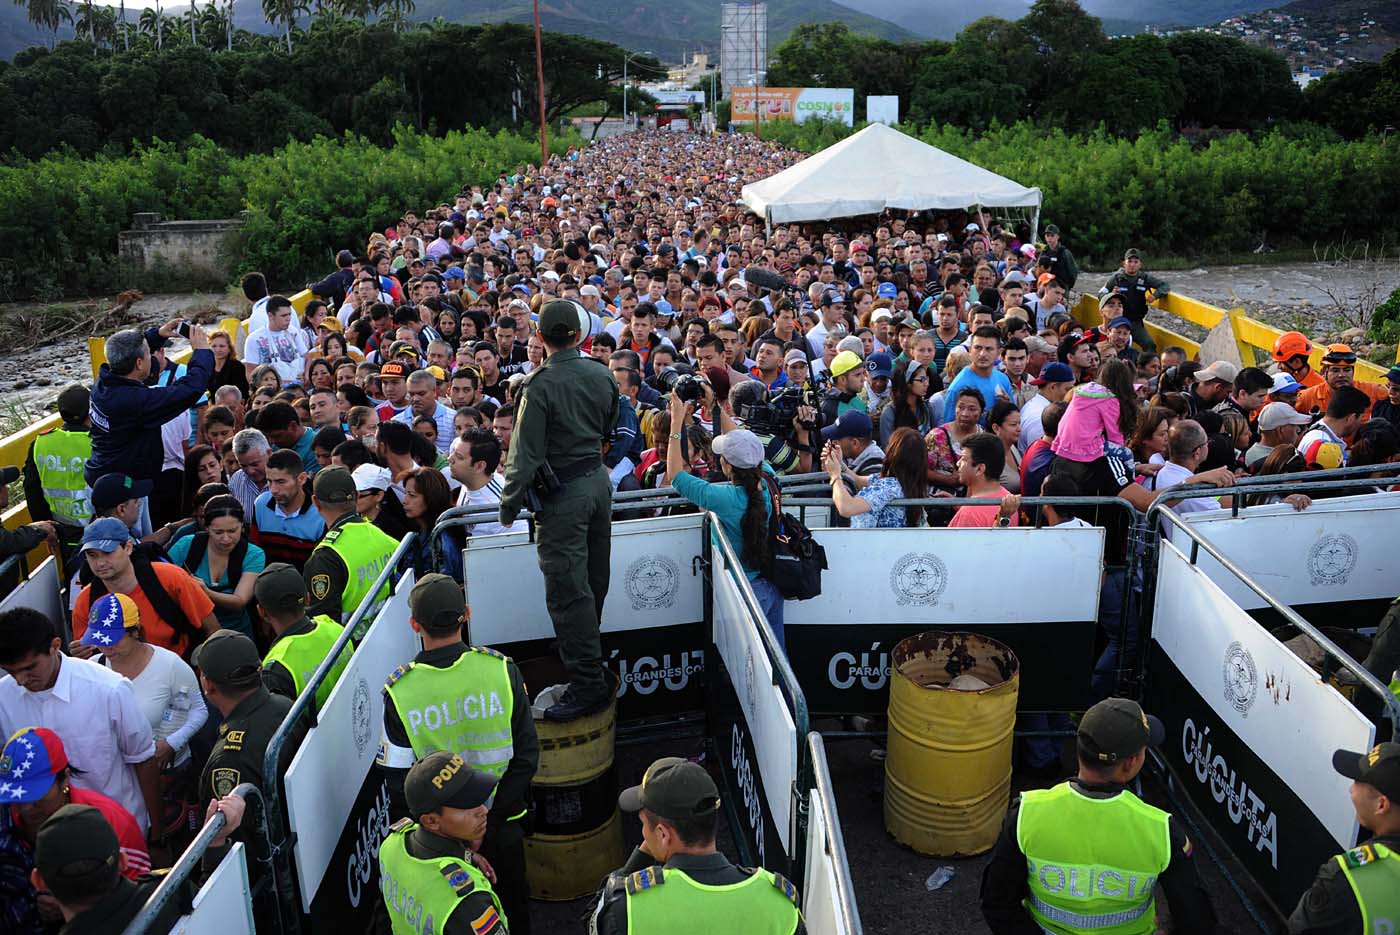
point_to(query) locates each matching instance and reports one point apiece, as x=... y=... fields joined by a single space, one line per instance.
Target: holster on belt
x=543 y=486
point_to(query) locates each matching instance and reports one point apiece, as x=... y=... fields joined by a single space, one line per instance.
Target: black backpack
x=798 y=560
x=143 y=558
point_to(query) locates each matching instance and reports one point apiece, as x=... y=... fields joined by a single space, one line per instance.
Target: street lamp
x=625 y=59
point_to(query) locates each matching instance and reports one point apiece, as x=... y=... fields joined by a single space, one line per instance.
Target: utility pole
x=539 y=80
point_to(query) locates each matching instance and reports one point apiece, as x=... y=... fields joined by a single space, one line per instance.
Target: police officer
x=1359 y=891
x=1047 y=871
x=54 y=486
x=676 y=882
x=568 y=408
x=301 y=643
x=471 y=701
x=428 y=875
x=346 y=562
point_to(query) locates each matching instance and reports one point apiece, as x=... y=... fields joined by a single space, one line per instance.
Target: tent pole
x=768 y=222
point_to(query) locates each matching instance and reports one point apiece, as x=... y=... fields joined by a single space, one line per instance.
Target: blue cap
x=105 y=535
x=852 y=424
x=1393 y=374
x=1054 y=372
x=32 y=757
x=879 y=365
x=454 y=272
x=1122 y=321
x=887 y=290
x=109 y=619
x=597 y=280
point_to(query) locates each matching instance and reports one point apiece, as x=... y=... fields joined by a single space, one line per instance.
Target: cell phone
x=184 y=329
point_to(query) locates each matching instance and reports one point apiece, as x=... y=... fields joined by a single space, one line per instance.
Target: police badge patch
x=320 y=586
x=224 y=780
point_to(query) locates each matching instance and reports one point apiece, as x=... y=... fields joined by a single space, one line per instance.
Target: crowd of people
x=223 y=517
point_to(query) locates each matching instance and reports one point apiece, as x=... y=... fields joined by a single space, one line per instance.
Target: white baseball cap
x=370 y=477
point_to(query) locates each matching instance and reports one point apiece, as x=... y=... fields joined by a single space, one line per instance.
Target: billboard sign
x=795 y=104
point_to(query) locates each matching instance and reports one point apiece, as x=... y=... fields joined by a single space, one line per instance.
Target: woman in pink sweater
x=1105 y=409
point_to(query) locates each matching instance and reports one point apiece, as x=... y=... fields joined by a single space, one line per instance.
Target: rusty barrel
x=577 y=836
x=948 y=767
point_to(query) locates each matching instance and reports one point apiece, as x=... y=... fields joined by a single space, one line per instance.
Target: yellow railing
x=1251 y=335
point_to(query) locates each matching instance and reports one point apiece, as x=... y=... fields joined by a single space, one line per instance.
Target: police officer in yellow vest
x=1359 y=891
x=432 y=882
x=347 y=561
x=676 y=882
x=470 y=701
x=54 y=486
x=1084 y=856
x=301 y=643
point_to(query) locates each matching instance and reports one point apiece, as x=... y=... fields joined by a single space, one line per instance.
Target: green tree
x=956 y=85
x=48 y=14
x=1357 y=99
x=1130 y=85
x=283 y=13
x=1232 y=84
x=1063 y=37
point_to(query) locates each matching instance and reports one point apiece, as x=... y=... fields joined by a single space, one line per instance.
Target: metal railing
x=836 y=850
x=172 y=887
x=303 y=706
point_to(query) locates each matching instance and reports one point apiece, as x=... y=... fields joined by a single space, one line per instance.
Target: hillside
x=1346 y=12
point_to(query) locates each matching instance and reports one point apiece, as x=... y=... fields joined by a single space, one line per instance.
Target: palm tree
x=356 y=9
x=284 y=12
x=397 y=12
x=86 y=22
x=151 y=23
x=48 y=14
x=193 y=16
x=126 y=35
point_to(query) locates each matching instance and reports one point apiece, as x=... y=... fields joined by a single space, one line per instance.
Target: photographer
x=781 y=422
x=742 y=503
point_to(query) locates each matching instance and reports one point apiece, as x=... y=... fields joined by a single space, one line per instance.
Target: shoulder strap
x=198 y=546
x=164 y=605
x=645 y=880
x=235 y=560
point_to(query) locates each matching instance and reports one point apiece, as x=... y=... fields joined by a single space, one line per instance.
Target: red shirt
x=981 y=516
x=137 y=860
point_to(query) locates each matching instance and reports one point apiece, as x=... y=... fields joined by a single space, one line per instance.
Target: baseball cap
x=109 y=619
x=559 y=320
x=1036 y=344
x=1122 y=321
x=437 y=603
x=228 y=657
x=1393 y=374
x=1015 y=276
x=1324 y=455
x=592 y=290
x=105 y=535
x=844 y=362
x=1116 y=728
x=370 y=477
x=280 y=587
x=334 y=485
x=879 y=365
x=1380 y=768
x=1054 y=372
x=32 y=757
x=852 y=424
x=794 y=356
x=1043 y=278
x=672 y=788
x=881 y=314
x=1051 y=229
x=1284 y=383
x=1221 y=370
x=76 y=842
x=453 y=272
x=833 y=297
x=438 y=373
x=887 y=290
x=740 y=448
x=443 y=779
x=1132 y=254
x=393 y=370
x=1111 y=297
x=112 y=490
x=1275 y=415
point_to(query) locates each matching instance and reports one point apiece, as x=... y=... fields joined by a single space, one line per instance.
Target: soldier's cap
x=76 y=842
x=673 y=788
x=559 y=320
x=1117 y=728
x=228 y=658
x=280 y=587
x=334 y=485
x=73 y=402
x=1132 y=254
x=437 y=603
x=1051 y=229
x=1379 y=769
x=445 y=780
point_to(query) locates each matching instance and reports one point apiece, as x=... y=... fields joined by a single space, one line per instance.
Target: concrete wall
x=193 y=251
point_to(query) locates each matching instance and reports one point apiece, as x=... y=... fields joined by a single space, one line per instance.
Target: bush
x=1385 y=322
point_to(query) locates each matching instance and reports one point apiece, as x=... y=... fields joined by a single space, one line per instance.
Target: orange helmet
x=1339 y=354
x=1291 y=344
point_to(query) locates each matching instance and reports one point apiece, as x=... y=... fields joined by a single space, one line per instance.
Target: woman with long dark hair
x=903 y=476
x=222 y=559
x=426 y=496
x=743 y=503
x=202 y=466
x=909 y=406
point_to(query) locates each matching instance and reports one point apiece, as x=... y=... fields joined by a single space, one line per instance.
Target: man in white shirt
x=92 y=709
x=277 y=344
x=473 y=462
x=1187 y=446
x=833 y=322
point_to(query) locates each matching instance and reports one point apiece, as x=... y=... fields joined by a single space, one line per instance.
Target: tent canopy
x=880 y=168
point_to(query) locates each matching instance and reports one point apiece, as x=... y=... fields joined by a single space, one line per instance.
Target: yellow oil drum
x=577 y=836
x=948 y=766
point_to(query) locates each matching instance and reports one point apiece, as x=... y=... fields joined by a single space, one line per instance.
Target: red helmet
x=1291 y=344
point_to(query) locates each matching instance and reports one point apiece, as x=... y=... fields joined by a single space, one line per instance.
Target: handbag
x=798 y=559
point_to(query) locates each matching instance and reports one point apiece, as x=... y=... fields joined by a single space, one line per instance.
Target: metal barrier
x=173 y=886
x=844 y=917
x=303 y=707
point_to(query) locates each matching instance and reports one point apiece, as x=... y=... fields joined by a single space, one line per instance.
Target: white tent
x=880 y=168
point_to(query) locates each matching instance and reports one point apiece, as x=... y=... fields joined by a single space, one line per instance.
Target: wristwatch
x=1003 y=522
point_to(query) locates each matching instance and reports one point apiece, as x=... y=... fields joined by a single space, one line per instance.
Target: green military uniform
x=470 y=701
x=1134 y=291
x=568 y=408
x=1358 y=891
x=429 y=881
x=348 y=560
x=690 y=893
x=76 y=849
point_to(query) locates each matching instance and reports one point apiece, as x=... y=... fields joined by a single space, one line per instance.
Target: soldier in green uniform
x=471 y=701
x=1085 y=856
x=676 y=882
x=428 y=874
x=347 y=561
x=230 y=675
x=568 y=408
x=301 y=643
x=1359 y=891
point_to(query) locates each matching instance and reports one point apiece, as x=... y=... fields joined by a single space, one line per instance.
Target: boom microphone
x=766 y=279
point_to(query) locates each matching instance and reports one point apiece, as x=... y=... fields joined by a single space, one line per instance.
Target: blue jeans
x=772 y=604
x=1117 y=653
